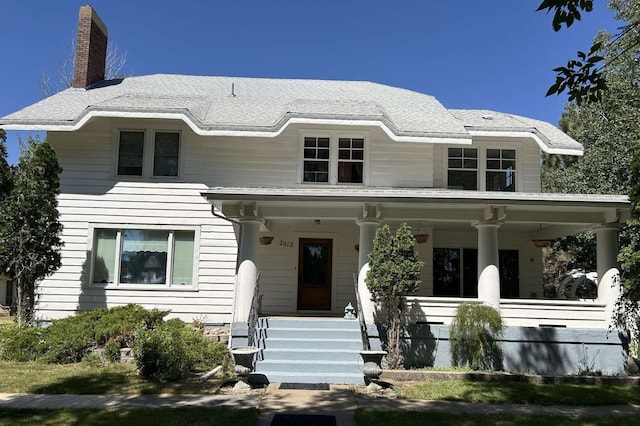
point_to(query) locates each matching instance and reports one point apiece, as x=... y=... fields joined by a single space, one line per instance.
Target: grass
x=519 y=393
x=137 y=416
x=86 y=378
x=365 y=417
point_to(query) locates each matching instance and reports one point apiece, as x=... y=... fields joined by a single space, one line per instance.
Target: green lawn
x=412 y=418
x=520 y=393
x=84 y=378
x=137 y=416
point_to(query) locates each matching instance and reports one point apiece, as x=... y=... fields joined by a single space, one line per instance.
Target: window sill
x=145 y=287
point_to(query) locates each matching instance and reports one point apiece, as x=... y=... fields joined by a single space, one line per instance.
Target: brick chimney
x=91 y=49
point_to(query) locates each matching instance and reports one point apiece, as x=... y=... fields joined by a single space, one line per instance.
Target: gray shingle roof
x=264 y=107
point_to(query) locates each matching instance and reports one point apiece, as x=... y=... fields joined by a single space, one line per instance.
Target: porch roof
x=540 y=215
x=413 y=195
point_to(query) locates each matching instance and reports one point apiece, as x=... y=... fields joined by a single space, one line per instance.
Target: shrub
x=473 y=337
x=20 y=343
x=173 y=350
x=70 y=339
x=395 y=272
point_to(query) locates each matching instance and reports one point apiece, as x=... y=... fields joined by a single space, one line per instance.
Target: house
x=183 y=192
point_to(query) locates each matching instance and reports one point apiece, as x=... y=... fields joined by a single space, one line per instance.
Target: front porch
x=498 y=234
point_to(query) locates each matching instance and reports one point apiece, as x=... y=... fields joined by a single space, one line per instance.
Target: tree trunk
x=26 y=295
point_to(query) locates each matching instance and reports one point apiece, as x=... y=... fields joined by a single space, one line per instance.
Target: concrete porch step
x=315 y=343
x=308 y=332
x=284 y=377
x=307 y=366
x=310 y=355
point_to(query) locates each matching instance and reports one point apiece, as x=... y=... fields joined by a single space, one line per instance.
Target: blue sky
x=490 y=54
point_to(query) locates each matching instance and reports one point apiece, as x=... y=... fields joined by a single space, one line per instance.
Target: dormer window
x=333 y=160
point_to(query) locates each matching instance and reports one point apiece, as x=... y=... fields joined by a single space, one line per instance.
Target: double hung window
x=481 y=169
x=154 y=257
x=140 y=157
x=332 y=160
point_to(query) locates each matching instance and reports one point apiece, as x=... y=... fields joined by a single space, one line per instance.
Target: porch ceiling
x=541 y=215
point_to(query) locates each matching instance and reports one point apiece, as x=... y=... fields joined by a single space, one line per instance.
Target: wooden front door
x=314 y=274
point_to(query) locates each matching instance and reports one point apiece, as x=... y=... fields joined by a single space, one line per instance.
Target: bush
x=172 y=351
x=20 y=343
x=473 y=337
x=71 y=339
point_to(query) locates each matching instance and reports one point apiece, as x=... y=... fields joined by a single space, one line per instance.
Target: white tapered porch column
x=367 y=234
x=608 y=274
x=488 y=271
x=247 y=267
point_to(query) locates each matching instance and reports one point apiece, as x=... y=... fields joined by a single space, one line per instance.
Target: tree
x=62 y=77
x=394 y=272
x=584 y=78
x=5 y=170
x=30 y=230
x=610 y=131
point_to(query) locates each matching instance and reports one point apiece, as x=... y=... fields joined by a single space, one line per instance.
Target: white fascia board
x=244 y=133
x=531 y=135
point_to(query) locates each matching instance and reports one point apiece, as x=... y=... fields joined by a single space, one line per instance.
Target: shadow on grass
x=522 y=393
x=365 y=417
x=138 y=416
x=101 y=383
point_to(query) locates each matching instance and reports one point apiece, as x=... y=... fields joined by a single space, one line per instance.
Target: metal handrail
x=363 y=326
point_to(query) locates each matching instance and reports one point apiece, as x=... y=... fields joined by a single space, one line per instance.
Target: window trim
x=482 y=164
x=93 y=227
x=148 y=153
x=334 y=137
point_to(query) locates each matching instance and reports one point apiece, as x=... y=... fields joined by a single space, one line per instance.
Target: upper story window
x=463 y=168
x=350 y=160
x=316 y=159
x=333 y=160
x=131 y=153
x=139 y=156
x=481 y=169
x=501 y=170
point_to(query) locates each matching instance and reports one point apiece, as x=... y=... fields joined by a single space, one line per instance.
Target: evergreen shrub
x=473 y=337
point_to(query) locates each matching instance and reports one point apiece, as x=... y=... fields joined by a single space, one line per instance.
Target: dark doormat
x=305 y=386
x=303 y=420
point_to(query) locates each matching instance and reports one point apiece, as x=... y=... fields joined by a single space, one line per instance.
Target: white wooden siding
x=92 y=195
x=514 y=312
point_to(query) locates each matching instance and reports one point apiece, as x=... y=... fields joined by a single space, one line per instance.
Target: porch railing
x=514 y=312
x=363 y=326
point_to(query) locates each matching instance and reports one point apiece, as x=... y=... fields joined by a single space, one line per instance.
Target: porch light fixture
x=265 y=240
x=541 y=243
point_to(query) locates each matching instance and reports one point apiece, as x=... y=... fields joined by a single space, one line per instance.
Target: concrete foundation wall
x=525 y=349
